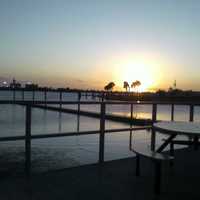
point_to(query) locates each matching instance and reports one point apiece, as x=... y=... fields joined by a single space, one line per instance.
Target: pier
x=58 y=106
x=121 y=170
x=28 y=137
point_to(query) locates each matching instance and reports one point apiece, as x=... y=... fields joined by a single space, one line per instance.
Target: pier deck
x=114 y=180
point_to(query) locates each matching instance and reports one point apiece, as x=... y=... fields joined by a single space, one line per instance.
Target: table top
x=184 y=128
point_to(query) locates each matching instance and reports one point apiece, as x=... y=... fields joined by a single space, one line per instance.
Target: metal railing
x=102 y=131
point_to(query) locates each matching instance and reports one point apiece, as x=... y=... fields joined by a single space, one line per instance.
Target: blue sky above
x=78 y=43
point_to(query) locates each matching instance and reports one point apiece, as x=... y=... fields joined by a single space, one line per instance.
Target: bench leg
x=171 y=163
x=196 y=139
x=137 y=171
x=157 y=185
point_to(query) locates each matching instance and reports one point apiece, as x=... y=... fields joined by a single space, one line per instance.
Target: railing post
x=102 y=96
x=102 y=133
x=172 y=112
x=79 y=99
x=45 y=97
x=154 y=113
x=33 y=95
x=191 y=113
x=14 y=94
x=131 y=126
x=60 y=97
x=78 y=113
x=28 y=141
x=22 y=94
x=153 y=133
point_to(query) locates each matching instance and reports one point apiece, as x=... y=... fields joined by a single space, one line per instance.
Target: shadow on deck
x=114 y=180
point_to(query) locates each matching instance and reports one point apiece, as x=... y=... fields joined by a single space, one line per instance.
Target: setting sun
x=137 y=70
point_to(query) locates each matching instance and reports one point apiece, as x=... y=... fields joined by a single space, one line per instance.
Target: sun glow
x=137 y=70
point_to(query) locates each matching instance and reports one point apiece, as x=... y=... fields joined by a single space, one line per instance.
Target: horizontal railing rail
x=98 y=102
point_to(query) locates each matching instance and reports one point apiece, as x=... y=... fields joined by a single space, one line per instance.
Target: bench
x=158 y=159
x=191 y=142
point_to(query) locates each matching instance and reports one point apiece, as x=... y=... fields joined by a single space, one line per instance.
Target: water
x=58 y=153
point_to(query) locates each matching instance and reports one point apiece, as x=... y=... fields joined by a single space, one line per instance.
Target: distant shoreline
x=162 y=96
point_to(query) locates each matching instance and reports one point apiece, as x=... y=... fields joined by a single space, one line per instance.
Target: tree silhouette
x=109 y=86
x=126 y=85
x=135 y=84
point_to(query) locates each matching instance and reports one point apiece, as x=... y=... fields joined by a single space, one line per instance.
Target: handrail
x=29 y=104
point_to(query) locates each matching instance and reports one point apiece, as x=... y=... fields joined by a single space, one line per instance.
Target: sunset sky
x=87 y=43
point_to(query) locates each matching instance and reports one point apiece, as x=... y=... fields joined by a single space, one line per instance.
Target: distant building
x=15 y=84
x=31 y=86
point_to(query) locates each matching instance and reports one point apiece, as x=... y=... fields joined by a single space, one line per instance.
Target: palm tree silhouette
x=126 y=86
x=109 y=86
x=136 y=84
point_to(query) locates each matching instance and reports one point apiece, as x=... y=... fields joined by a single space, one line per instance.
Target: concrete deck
x=115 y=180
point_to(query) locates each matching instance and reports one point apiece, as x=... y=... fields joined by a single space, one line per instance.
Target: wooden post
x=102 y=134
x=28 y=141
x=172 y=112
x=191 y=113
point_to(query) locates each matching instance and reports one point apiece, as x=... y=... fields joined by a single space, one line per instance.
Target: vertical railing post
x=14 y=94
x=172 y=112
x=102 y=96
x=22 y=94
x=78 y=108
x=79 y=99
x=45 y=97
x=60 y=98
x=153 y=133
x=102 y=133
x=191 y=118
x=131 y=126
x=28 y=141
x=33 y=95
x=154 y=112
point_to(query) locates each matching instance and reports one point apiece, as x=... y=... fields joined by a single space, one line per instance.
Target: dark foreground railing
x=102 y=131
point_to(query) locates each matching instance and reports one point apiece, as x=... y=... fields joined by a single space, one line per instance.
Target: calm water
x=56 y=153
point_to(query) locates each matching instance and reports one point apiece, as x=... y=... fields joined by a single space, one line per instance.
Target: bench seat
x=157 y=159
x=153 y=155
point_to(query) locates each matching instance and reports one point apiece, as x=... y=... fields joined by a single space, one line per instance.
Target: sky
x=88 y=43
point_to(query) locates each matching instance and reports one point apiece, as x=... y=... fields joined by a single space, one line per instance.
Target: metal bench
x=158 y=159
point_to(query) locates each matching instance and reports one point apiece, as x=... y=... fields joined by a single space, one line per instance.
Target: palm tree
x=126 y=86
x=109 y=86
x=136 y=84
